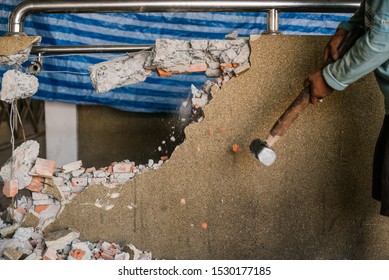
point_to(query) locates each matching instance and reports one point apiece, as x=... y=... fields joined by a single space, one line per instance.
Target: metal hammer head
x=263 y=152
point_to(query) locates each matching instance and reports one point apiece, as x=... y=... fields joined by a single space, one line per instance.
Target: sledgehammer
x=263 y=150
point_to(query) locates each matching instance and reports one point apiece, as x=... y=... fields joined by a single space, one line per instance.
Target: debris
x=50 y=254
x=44 y=167
x=180 y=56
x=183 y=201
x=72 y=166
x=8 y=231
x=140 y=255
x=16 y=49
x=36 y=184
x=58 y=240
x=23 y=160
x=31 y=219
x=12 y=254
x=235 y=148
x=204 y=226
x=119 y=72
x=23 y=234
x=17 y=85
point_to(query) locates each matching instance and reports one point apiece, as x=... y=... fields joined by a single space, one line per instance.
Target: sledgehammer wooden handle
x=303 y=99
x=289 y=116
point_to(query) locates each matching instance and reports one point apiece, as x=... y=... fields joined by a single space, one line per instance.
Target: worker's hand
x=318 y=87
x=331 y=48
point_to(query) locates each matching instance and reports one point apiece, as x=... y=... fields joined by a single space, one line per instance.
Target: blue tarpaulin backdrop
x=65 y=77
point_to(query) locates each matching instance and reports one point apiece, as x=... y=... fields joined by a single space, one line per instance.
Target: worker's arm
x=344 y=27
x=367 y=54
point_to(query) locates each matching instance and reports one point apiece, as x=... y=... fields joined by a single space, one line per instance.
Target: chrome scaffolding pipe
x=29 y=7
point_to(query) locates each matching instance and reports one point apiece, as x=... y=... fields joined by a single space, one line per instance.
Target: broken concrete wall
x=208 y=202
x=14 y=50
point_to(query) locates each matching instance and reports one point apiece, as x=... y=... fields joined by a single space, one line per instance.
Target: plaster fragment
x=17 y=85
x=119 y=72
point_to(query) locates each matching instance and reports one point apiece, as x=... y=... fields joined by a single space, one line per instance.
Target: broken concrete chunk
x=14 y=50
x=59 y=239
x=8 y=243
x=24 y=158
x=9 y=231
x=17 y=58
x=23 y=234
x=140 y=255
x=31 y=219
x=51 y=189
x=179 y=56
x=119 y=72
x=172 y=53
x=17 y=85
x=12 y=254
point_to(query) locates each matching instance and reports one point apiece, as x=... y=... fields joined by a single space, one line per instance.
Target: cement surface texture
x=208 y=202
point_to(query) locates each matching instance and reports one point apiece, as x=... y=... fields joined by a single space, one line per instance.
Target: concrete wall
x=313 y=203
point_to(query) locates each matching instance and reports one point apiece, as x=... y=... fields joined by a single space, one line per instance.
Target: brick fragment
x=235 y=148
x=40 y=208
x=36 y=184
x=78 y=254
x=163 y=73
x=72 y=166
x=11 y=188
x=44 y=167
x=107 y=256
x=122 y=167
x=50 y=254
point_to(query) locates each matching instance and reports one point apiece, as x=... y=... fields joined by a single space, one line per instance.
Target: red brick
x=78 y=254
x=11 y=188
x=44 y=167
x=36 y=184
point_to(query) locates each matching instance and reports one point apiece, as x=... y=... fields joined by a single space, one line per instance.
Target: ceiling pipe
x=29 y=7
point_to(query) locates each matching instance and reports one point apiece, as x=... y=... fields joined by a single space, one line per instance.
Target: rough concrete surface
x=208 y=202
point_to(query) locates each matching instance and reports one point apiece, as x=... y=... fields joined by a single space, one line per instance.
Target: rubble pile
x=28 y=243
x=41 y=191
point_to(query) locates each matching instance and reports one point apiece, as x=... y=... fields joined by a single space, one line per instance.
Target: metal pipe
x=89 y=49
x=272 y=23
x=29 y=7
x=26 y=8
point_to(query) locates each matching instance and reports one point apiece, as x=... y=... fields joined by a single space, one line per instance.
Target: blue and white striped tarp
x=65 y=77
